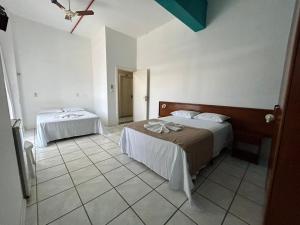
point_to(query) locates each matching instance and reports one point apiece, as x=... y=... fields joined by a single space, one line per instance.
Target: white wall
x=11 y=199
x=7 y=46
x=110 y=50
x=121 y=53
x=54 y=64
x=100 y=75
x=236 y=61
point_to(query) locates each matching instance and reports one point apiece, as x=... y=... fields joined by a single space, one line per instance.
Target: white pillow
x=219 y=118
x=72 y=109
x=185 y=113
x=47 y=111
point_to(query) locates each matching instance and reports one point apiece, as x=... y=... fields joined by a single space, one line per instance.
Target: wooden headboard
x=243 y=120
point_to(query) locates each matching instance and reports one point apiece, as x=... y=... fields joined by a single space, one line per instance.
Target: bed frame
x=249 y=125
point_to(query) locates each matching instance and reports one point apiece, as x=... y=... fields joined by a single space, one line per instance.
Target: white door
x=141 y=95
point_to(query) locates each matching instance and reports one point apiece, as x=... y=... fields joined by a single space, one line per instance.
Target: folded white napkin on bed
x=70 y=115
x=162 y=126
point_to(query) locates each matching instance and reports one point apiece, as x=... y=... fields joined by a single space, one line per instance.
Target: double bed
x=59 y=124
x=168 y=158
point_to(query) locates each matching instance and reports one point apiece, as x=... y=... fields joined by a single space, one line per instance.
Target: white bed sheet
x=168 y=159
x=54 y=126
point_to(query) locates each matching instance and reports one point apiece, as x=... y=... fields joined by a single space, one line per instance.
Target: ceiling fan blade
x=58 y=4
x=85 y=13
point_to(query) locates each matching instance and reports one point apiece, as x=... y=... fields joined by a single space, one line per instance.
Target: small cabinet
x=247 y=146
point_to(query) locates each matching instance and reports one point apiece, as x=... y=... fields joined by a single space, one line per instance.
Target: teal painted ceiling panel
x=190 y=12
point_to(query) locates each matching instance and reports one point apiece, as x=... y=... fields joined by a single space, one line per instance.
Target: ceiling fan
x=69 y=14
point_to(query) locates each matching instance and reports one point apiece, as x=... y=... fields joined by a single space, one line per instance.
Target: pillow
x=219 y=118
x=72 y=109
x=47 y=111
x=185 y=113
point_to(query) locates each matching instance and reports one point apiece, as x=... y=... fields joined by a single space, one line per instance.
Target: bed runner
x=196 y=142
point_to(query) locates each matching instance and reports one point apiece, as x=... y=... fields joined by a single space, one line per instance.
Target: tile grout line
x=129 y=206
x=75 y=186
x=73 y=170
x=86 y=180
x=195 y=191
x=135 y=175
x=58 y=218
x=222 y=184
x=69 y=173
x=153 y=189
x=167 y=199
x=206 y=177
x=36 y=187
x=122 y=164
x=112 y=186
x=235 y=194
x=69 y=160
x=178 y=210
x=228 y=174
x=42 y=200
x=49 y=167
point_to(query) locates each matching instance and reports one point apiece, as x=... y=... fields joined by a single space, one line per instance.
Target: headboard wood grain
x=243 y=120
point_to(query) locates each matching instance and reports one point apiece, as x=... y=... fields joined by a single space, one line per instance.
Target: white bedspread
x=168 y=159
x=54 y=126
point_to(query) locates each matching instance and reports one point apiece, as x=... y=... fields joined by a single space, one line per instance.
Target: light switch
x=77 y=94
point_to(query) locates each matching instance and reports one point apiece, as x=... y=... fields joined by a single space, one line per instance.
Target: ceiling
x=132 y=17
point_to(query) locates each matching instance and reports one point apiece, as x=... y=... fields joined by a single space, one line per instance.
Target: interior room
x=132 y=112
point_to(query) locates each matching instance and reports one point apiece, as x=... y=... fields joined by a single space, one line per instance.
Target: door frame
x=148 y=92
x=117 y=68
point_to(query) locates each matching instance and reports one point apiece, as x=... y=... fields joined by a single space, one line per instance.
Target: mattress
x=168 y=159
x=54 y=126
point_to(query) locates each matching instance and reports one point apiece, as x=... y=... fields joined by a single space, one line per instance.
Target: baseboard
x=23 y=212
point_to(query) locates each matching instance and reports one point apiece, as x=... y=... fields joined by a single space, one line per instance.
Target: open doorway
x=125 y=96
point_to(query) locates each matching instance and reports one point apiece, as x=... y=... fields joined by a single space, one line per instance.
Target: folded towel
x=162 y=126
x=70 y=115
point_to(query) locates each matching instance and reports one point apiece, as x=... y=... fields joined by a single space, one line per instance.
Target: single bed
x=168 y=159
x=58 y=125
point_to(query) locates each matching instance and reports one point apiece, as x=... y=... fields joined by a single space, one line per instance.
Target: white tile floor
x=87 y=180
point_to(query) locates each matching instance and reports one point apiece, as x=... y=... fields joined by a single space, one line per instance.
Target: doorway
x=125 y=96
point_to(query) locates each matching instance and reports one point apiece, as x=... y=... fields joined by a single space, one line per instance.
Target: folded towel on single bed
x=70 y=115
x=162 y=126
